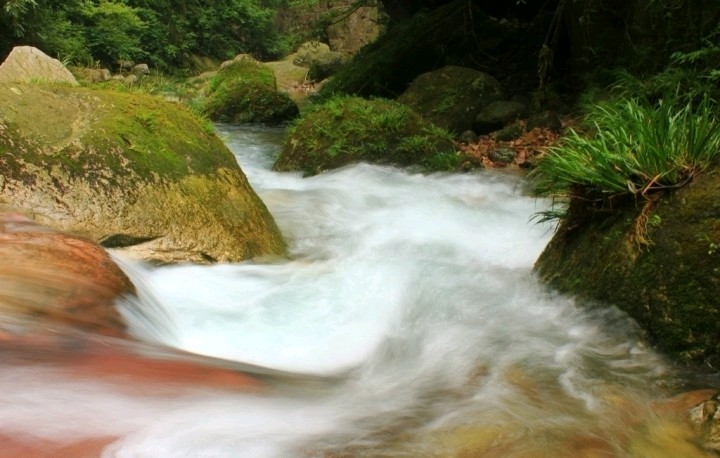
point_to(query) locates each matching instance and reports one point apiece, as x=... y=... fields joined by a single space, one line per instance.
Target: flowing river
x=407 y=323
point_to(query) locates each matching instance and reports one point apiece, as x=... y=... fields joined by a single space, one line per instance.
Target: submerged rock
x=129 y=171
x=670 y=286
x=50 y=279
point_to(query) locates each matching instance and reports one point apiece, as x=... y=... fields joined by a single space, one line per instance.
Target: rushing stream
x=410 y=319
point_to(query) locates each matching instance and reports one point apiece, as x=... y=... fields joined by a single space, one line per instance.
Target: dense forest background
x=668 y=43
x=163 y=33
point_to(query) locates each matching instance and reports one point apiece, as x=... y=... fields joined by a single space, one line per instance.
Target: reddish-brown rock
x=50 y=279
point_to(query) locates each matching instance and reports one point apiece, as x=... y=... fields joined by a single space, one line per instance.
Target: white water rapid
x=410 y=306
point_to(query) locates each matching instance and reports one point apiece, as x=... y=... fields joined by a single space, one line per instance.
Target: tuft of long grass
x=631 y=146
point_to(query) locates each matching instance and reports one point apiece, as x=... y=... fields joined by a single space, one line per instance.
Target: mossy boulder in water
x=351 y=129
x=245 y=91
x=129 y=171
x=452 y=96
x=670 y=287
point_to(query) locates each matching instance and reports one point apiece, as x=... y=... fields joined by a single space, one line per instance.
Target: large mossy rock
x=129 y=171
x=671 y=287
x=456 y=33
x=245 y=91
x=344 y=130
x=452 y=96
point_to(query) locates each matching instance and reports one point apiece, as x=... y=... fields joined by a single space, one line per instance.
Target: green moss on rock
x=119 y=166
x=351 y=129
x=452 y=96
x=245 y=91
x=671 y=287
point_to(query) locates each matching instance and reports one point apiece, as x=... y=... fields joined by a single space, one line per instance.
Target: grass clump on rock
x=643 y=221
x=350 y=129
x=632 y=147
x=245 y=91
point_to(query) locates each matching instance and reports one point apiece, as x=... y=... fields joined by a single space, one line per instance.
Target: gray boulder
x=141 y=69
x=26 y=64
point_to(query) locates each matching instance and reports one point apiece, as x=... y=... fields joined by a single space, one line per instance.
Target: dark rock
x=468 y=137
x=544 y=120
x=671 y=287
x=451 y=97
x=509 y=133
x=496 y=115
x=425 y=42
x=325 y=65
x=502 y=155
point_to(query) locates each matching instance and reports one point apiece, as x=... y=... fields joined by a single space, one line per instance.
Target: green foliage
x=163 y=33
x=631 y=147
x=14 y=12
x=113 y=30
x=347 y=129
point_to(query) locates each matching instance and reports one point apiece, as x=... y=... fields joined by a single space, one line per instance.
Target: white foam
x=418 y=287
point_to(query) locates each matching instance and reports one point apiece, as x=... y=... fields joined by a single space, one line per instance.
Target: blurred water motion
x=407 y=323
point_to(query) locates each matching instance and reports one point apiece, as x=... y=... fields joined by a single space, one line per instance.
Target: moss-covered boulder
x=129 y=171
x=456 y=33
x=452 y=97
x=671 y=287
x=245 y=91
x=351 y=129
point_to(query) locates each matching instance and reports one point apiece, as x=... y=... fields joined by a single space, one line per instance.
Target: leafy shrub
x=631 y=147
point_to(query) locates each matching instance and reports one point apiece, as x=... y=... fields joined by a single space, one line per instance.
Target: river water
x=407 y=323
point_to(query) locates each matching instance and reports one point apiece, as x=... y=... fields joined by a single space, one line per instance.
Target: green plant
x=713 y=245
x=630 y=147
